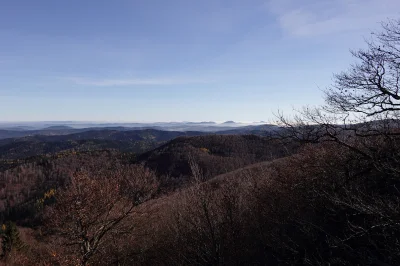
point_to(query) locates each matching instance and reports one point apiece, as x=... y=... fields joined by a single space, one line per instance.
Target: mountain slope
x=214 y=154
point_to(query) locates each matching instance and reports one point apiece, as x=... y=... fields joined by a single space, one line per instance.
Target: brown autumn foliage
x=23 y=185
x=326 y=204
x=314 y=208
x=91 y=210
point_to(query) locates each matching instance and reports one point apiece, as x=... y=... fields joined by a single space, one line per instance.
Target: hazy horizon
x=127 y=122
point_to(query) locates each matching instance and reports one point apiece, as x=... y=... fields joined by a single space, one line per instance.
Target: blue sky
x=176 y=60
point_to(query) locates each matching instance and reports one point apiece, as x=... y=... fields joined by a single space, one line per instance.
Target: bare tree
x=90 y=209
x=371 y=86
x=362 y=107
x=360 y=187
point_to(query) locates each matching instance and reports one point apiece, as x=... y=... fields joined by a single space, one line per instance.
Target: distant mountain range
x=19 y=144
x=79 y=124
x=17 y=130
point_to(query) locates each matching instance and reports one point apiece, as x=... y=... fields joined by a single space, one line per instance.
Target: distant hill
x=215 y=154
x=261 y=130
x=65 y=129
x=55 y=139
x=57 y=128
x=117 y=135
x=137 y=141
x=5 y=133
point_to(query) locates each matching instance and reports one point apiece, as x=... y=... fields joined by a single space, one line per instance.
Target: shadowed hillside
x=214 y=154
